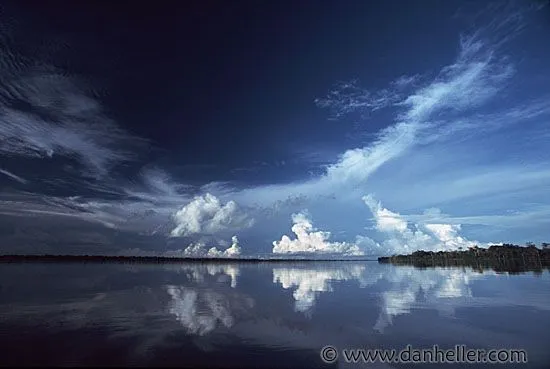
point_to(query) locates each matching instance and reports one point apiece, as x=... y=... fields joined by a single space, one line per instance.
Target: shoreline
x=162 y=259
x=500 y=257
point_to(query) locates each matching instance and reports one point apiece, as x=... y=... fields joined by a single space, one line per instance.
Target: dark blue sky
x=213 y=83
x=161 y=101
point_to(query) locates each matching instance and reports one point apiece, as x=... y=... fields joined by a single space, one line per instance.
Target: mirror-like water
x=262 y=315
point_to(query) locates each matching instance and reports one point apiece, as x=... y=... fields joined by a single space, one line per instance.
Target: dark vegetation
x=505 y=258
x=154 y=259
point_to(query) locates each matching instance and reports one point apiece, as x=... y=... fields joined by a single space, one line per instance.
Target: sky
x=280 y=128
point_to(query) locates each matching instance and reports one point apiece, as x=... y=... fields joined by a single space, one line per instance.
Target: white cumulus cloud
x=200 y=249
x=402 y=237
x=233 y=251
x=197 y=250
x=310 y=240
x=207 y=215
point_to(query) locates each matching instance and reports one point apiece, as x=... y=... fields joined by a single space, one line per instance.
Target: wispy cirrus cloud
x=459 y=102
x=463 y=180
x=537 y=215
x=45 y=112
x=15 y=177
x=476 y=75
x=31 y=204
x=349 y=97
x=156 y=186
x=425 y=111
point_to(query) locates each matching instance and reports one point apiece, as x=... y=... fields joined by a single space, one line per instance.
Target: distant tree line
x=499 y=257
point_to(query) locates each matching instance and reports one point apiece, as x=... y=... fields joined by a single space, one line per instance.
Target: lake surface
x=262 y=315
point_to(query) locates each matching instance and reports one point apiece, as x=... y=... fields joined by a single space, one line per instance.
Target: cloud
x=535 y=215
x=206 y=214
x=72 y=125
x=33 y=205
x=151 y=209
x=470 y=127
x=402 y=237
x=476 y=75
x=13 y=176
x=309 y=240
x=426 y=110
x=45 y=112
x=348 y=97
x=158 y=187
x=469 y=180
x=195 y=249
x=233 y=251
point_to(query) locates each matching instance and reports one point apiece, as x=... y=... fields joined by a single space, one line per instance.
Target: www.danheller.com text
x=435 y=354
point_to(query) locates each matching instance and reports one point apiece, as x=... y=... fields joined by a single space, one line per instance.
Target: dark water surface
x=262 y=315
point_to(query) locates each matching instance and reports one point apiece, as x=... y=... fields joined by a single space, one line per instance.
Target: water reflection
x=198 y=272
x=448 y=289
x=202 y=309
x=409 y=289
x=198 y=314
x=309 y=280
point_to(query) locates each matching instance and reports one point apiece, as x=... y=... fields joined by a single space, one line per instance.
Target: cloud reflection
x=407 y=286
x=199 y=273
x=186 y=306
x=205 y=303
x=309 y=281
x=157 y=307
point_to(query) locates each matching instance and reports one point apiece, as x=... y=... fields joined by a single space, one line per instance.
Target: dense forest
x=506 y=257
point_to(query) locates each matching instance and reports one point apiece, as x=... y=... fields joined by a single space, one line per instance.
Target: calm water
x=261 y=315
